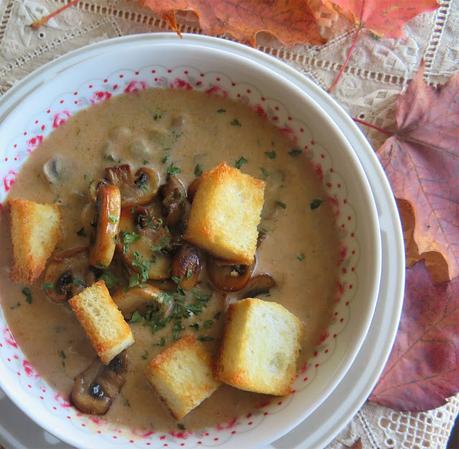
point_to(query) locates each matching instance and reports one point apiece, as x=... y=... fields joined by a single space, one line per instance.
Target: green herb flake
x=157 y=115
x=206 y=338
x=113 y=219
x=110 y=279
x=300 y=257
x=221 y=111
x=194 y=326
x=315 y=203
x=81 y=232
x=145 y=162
x=208 y=324
x=235 y=122
x=177 y=328
x=240 y=162
x=189 y=273
x=264 y=172
x=161 y=342
x=145 y=355
x=79 y=282
x=164 y=242
x=281 y=204
x=271 y=154
x=197 y=170
x=295 y=152
x=173 y=169
x=136 y=317
x=28 y=294
x=142 y=266
x=165 y=159
x=217 y=316
x=48 y=286
x=126 y=402
x=62 y=354
x=127 y=238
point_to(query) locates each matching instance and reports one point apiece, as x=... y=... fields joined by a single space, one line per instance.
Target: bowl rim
x=24 y=87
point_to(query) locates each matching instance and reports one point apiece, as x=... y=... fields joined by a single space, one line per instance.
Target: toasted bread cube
x=35 y=232
x=103 y=322
x=225 y=214
x=182 y=375
x=260 y=348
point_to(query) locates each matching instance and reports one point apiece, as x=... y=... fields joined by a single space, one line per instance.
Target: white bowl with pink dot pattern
x=47 y=98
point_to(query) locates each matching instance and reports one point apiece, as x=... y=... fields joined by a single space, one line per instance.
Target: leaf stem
x=44 y=20
x=377 y=128
x=346 y=62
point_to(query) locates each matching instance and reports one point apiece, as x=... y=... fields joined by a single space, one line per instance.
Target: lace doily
x=378 y=71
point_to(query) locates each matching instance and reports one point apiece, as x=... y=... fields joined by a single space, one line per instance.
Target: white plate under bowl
x=345 y=346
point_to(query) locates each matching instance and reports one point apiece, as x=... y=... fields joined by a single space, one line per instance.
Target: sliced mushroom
x=52 y=169
x=174 y=198
x=136 y=189
x=187 y=265
x=193 y=188
x=227 y=276
x=96 y=388
x=67 y=274
x=143 y=243
x=139 y=299
x=259 y=285
x=108 y=209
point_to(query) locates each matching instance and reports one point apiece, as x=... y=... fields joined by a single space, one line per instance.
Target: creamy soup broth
x=158 y=128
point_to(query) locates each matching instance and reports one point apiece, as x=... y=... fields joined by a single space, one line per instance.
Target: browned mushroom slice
x=136 y=189
x=143 y=248
x=108 y=209
x=139 y=299
x=187 y=265
x=174 y=199
x=227 y=276
x=96 y=388
x=193 y=188
x=67 y=274
x=259 y=285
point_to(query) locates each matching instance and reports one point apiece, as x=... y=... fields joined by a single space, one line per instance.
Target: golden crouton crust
x=231 y=366
x=219 y=197
x=108 y=331
x=181 y=395
x=35 y=232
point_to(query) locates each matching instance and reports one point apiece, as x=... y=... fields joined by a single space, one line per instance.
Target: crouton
x=35 y=232
x=225 y=214
x=103 y=322
x=260 y=348
x=182 y=375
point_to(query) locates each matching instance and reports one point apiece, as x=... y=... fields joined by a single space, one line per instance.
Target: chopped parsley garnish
x=136 y=317
x=197 y=170
x=157 y=115
x=164 y=242
x=271 y=154
x=177 y=328
x=221 y=111
x=300 y=257
x=281 y=204
x=264 y=172
x=189 y=273
x=161 y=342
x=110 y=279
x=217 y=316
x=28 y=294
x=165 y=159
x=81 y=232
x=48 y=286
x=235 y=122
x=78 y=282
x=145 y=162
x=173 y=169
x=206 y=338
x=113 y=219
x=127 y=238
x=194 y=326
x=240 y=162
x=315 y=203
x=62 y=354
x=109 y=157
x=295 y=152
x=145 y=355
x=208 y=324
x=143 y=268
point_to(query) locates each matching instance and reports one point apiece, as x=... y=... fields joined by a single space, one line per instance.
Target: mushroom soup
x=142 y=142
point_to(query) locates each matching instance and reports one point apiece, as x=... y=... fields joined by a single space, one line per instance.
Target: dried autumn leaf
x=422 y=370
x=383 y=17
x=290 y=21
x=422 y=163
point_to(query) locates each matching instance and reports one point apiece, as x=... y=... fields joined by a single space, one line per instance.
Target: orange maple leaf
x=290 y=21
x=384 y=17
x=422 y=162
